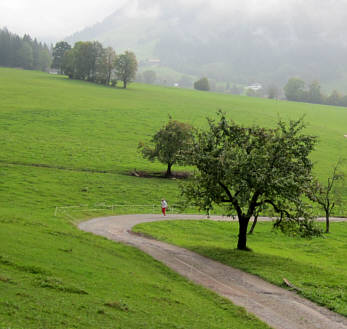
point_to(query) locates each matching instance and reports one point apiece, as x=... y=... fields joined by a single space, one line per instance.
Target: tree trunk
x=242 y=242
x=124 y=84
x=168 y=171
x=253 y=225
x=327 y=222
x=108 y=79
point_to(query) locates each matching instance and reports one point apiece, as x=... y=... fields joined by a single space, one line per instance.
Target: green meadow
x=69 y=143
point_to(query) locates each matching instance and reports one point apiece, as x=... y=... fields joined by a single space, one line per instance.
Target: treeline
x=90 y=61
x=296 y=90
x=23 y=52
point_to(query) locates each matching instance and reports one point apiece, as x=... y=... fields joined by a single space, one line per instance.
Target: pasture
x=68 y=143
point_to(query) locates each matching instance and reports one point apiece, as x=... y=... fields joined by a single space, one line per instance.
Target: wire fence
x=119 y=209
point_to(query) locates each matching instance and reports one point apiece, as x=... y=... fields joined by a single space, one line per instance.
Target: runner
x=163 y=206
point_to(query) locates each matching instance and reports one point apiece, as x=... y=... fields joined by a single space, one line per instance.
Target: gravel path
x=277 y=307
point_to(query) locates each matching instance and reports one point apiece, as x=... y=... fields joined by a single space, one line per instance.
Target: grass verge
x=317 y=266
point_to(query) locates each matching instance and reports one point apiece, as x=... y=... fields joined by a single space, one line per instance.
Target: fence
x=115 y=208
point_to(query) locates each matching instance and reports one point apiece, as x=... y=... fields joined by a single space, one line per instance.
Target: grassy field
x=67 y=143
x=53 y=276
x=317 y=267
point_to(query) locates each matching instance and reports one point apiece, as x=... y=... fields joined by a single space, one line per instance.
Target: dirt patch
x=174 y=175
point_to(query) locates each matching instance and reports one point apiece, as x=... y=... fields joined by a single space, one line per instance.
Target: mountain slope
x=232 y=44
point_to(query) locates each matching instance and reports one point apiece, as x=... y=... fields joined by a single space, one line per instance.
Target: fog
x=56 y=19
x=234 y=40
x=52 y=20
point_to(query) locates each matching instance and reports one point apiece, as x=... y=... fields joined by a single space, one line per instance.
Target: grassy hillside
x=49 y=120
x=68 y=142
x=54 y=276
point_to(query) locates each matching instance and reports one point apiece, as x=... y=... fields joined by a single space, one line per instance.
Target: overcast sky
x=57 y=19
x=47 y=19
x=51 y=20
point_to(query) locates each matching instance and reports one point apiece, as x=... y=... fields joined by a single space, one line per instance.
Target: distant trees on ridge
x=90 y=61
x=23 y=52
x=296 y=90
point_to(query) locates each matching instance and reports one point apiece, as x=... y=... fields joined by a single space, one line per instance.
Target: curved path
x=277 y=307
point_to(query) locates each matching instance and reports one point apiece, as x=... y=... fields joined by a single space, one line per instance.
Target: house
x=254 y=87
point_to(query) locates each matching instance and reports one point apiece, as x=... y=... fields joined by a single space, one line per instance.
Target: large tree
x=295 y=90
x=168 y=144
x=248 y=168
x=59 y=51
x=105 y=66
x=68 y=65
x=86 y=56
x=126 y=67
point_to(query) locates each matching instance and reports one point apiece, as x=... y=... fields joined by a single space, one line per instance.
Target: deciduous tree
x=202 y=84
x=295 y=90
x=149 y=76
x=248 y=168
x=126 y=67
x=105 y=66
x=168 y=143
x=327 y=195
x=314 y=94
x=59 y=51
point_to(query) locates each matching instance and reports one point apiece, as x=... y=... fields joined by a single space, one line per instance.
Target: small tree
x=314 y=93
x=149 y=76
x=126 y=67
x=247 y=168
x=327 y=196
x=273 y=92
x=334 y=98
x=169 y=142
x=68 y=65
x=202 y=84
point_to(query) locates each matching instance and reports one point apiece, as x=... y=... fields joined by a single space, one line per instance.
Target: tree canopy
x=58 y=54
x=202 y=84
x=87 y=61
x=247 y=168
x=168 y=144
x=295 y=90
x=126 y=67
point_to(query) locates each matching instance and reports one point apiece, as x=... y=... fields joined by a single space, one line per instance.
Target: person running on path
x=163 y=206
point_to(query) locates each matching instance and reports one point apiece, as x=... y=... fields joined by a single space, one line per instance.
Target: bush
x=202 y=84
x=304 y=228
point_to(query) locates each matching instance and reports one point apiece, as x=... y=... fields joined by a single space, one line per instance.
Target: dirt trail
x=277 y=307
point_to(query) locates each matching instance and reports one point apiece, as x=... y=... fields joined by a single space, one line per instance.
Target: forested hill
x=230 y=45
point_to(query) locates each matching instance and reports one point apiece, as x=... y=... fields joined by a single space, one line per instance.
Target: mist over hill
x=229 y=41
